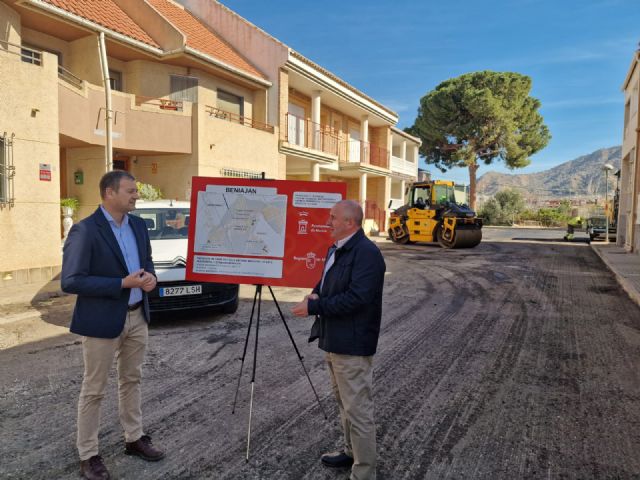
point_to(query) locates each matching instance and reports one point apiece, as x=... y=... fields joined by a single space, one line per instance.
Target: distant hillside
x=582 y=177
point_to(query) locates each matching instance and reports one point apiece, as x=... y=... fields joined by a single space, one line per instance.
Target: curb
x=626 y=285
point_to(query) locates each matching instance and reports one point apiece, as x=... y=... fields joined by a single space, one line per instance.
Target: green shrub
x=148 y=191
x=71 y=202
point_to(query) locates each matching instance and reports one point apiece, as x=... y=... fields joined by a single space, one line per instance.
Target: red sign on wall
x=267 y=232
x=45 y=172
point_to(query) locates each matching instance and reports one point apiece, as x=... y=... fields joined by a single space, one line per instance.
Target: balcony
x=356 y=152
x=238 y=119
x=143 y=124
x=403 y=167
x=160 y=103
x=310 y=140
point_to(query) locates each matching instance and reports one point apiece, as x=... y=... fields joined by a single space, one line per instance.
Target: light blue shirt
x=129 y=248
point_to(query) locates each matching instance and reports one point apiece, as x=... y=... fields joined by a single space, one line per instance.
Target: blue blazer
x=93 y=268
x=349 y=310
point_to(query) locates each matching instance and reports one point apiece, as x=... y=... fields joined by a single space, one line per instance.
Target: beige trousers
x=128 y=349
x=352 y=382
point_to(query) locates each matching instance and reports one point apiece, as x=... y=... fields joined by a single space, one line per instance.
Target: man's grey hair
x=112 y=180
x=352 y=211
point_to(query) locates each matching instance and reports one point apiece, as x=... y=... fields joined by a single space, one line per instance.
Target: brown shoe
x=144 y=449
x=94 y=469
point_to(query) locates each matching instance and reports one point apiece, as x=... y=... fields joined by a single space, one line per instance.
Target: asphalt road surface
x=519 y=358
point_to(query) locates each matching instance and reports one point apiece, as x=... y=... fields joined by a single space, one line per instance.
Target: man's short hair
x=352 y=211
x=112 y=180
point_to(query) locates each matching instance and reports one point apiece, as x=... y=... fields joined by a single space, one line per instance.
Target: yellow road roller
x=432 y=214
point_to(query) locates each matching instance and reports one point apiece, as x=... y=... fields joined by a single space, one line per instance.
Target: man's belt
x=134 y=306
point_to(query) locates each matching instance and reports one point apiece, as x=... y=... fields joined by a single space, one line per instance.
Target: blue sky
x=576 y=52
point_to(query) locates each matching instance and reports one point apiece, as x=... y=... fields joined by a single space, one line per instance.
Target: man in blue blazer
x=347 y=302
x=107 y=263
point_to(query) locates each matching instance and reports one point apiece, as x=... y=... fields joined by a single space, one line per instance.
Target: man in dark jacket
x=347 y=302
x=107 y=263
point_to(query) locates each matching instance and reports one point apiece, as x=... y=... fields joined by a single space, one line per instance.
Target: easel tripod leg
x=297 y=352
x=253 y=373
x=244 y=352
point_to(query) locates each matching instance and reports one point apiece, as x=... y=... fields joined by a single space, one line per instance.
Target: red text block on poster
x=266 y=232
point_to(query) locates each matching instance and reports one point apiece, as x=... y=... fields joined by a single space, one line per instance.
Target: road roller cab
x=432 y=214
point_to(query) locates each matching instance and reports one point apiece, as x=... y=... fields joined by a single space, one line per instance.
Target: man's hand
x=139 y=279
x=302 y=308
x=149 y=281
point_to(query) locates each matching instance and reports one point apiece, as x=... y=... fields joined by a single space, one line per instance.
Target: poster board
x=262 y=232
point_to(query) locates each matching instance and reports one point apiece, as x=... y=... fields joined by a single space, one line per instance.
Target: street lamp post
x=606 y=167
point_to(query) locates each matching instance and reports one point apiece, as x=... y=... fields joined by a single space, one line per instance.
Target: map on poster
x=240 y=220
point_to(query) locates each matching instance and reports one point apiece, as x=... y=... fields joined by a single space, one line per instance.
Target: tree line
x=508 y=207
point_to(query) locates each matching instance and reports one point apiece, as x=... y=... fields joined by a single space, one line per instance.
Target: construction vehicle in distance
x=433 y=215
x=597 y=224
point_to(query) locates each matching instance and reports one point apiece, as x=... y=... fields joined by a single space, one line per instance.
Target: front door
x=121 y=162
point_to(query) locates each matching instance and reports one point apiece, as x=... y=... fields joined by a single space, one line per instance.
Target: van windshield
x=165 y=223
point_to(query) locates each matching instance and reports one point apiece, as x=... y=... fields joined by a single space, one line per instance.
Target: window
x=31 y=56
x=184 y=89
x=238 y=173
x=230 y=103
x=6 y=171
x=115 y=80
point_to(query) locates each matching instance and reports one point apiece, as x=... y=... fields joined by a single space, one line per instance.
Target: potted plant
x=69 y=205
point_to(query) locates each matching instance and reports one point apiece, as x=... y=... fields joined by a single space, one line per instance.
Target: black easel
x=257 y=298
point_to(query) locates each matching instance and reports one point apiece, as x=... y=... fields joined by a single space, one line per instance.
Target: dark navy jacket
x=350 y=303
x=93 y=268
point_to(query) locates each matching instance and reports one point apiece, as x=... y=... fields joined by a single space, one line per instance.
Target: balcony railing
x=161 y=103
x=403 y=166
x=356 y=151
x=34 y=57
x=305 y=133
x=69 y=77
x=28 y=55
x=239 y=119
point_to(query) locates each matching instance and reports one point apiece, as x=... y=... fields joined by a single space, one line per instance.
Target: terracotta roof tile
x=105 y=13
x=200 y=38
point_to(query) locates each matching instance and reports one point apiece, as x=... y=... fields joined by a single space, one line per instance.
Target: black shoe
x=94 y=469
x=144 y=449
x=336 y=460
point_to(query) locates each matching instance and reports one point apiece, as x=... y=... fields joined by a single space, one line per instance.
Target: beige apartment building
x=193 y=89
x=328 y=130
x=628 y=234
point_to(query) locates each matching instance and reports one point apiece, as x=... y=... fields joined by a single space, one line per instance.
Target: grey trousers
x=352 y=382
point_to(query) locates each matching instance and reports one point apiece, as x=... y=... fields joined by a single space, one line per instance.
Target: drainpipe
x=107 y=93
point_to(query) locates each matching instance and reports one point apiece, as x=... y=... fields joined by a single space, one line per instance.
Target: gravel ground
x=515 y=359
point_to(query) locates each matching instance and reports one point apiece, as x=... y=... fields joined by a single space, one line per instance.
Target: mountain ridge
x=580 y=177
